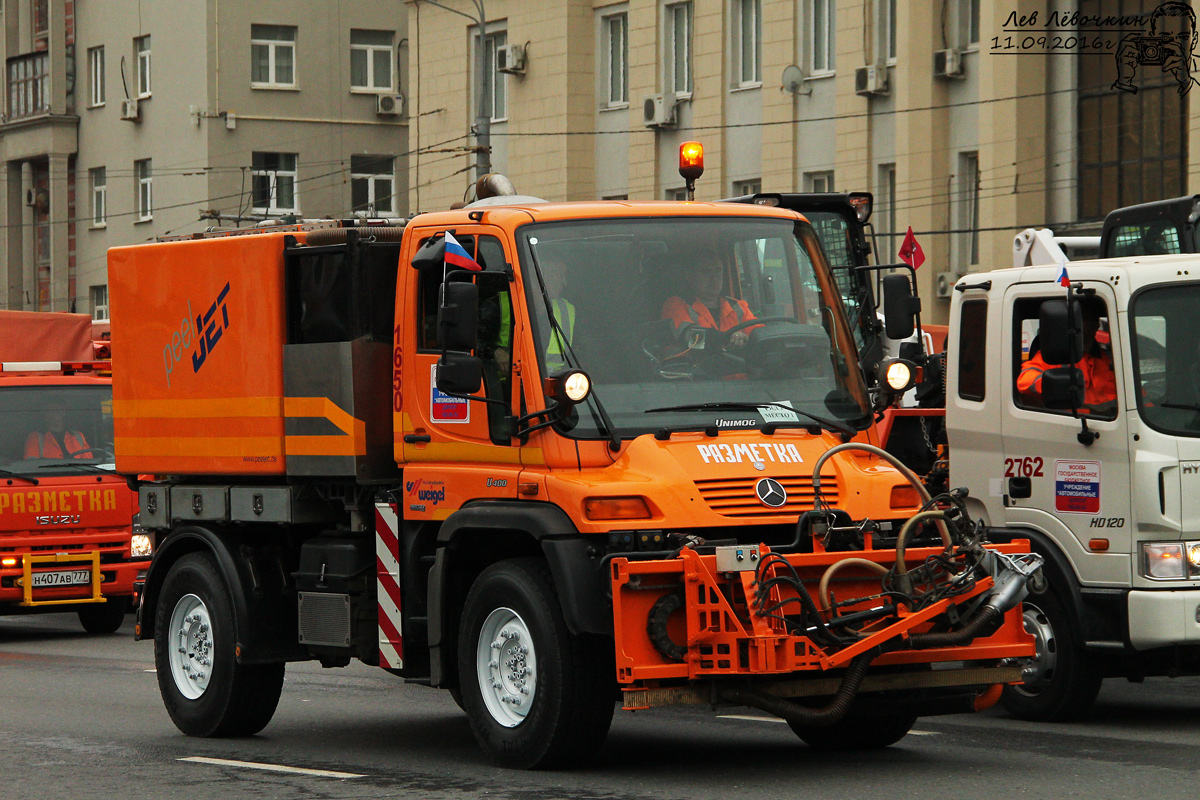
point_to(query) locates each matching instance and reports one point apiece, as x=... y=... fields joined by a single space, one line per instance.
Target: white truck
x=1111 y=500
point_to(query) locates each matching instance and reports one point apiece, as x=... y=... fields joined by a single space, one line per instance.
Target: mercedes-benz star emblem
x=770 y=492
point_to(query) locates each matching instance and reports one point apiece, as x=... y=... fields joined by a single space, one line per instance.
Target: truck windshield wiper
x=840 y=427
x=10 y=474
x=75 y=465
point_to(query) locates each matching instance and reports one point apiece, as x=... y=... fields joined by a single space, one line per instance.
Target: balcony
x=28 y=86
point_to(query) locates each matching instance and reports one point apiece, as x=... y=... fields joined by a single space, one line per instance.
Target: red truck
x=69 y=540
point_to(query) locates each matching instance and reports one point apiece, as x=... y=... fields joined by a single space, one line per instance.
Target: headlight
x=897 y=374
x=577 y=386
x=1170 y=561
x=141 y=546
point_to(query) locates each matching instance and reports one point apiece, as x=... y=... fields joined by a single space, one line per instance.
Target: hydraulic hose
x=908 y=474
x=902 y=539
x=803 y=715
x=823 y=587
x=984 y=621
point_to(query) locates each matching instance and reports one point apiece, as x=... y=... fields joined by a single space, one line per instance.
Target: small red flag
x=910 y=251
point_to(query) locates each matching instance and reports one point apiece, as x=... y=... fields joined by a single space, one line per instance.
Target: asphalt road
x=80 y=717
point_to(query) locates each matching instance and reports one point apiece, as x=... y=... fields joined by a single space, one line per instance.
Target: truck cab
x=1103 y=490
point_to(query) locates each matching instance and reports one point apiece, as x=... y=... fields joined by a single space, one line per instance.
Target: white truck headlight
x=141 y=546
x=1170 y=561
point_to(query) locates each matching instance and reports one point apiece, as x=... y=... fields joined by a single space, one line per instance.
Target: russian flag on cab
x=457 y=255
x=1063 y=280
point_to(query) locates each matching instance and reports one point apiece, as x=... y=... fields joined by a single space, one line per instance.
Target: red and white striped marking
x=387 y=574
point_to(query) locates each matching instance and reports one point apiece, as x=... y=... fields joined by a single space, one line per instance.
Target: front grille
x=736 y=497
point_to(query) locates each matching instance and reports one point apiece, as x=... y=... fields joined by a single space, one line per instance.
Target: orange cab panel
x=200 y=326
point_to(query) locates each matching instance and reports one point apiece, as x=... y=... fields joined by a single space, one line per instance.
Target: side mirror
x=459 y=374
x=1061 y=344
x=1062 y=388
x=900 y=307
x=431 y=254
x=458 y=316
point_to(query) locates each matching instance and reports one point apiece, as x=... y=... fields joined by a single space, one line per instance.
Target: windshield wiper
x=74 y=465
x=840 y=427
x=1181 y=406
x=10 y=474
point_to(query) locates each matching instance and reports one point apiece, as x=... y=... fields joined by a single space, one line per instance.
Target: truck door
x=455 y=449
x=1076 y=492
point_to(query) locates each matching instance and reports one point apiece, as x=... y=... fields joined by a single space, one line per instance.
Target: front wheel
x=104 y=617
x=535 y=695
x=856 y=733
x=205 y=690
x=1060 y=682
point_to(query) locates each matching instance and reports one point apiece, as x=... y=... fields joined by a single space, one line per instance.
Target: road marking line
x=225 y=762
x=150 y=670
x=923 y=733
x=750 y=718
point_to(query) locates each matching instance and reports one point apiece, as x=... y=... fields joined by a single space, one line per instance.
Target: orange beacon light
x=691 y=165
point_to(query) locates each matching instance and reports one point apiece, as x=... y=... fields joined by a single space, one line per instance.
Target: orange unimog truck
x=489 y=451
x=68 y=537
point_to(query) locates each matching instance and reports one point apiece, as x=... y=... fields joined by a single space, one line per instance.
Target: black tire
x=856 y=732
x=104 y=617
x=571 y=703
x=236 y=699
x=1062 y=682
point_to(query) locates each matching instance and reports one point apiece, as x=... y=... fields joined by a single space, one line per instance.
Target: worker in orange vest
x=1100 y=384
x=709 y=308
x=55 y=441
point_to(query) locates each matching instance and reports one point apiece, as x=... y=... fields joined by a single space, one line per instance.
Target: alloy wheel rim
x=506 y=666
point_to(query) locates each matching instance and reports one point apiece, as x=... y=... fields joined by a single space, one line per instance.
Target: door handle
x=416 y=438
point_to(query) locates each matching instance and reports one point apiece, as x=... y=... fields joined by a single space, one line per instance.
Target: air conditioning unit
x=389 y=105
x=658 y=110
x=38 y=198
x=943 y=283
x=510 y=58
x=871 y=80
x=129 y=110
x=948 y=64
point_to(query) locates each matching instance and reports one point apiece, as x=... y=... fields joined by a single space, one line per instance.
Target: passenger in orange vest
x=708 y=308
x=55 y=441
x=1100 y=384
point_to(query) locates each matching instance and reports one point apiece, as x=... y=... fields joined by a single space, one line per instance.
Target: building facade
x=131 y=119
x=969 y=120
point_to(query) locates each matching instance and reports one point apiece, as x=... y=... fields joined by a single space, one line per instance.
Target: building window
x=272 y=56
x=818 y=181
x=274 y=182
x=99 y=297
x=1133 y=146
x=96 y=75
x=885 y=202
x=824 y=35
x=497 y=87
x=372 y=185
x=968 y=22
x=98 y=185
x=748 y=41
x=145 y=189
x=371 y=60
x=679 y=48
x=141 y=48
x=968 y=205
x=675 y=194
x=885 y=11
x=27 y=85
x=751 y=186
x=615 y=29
x=41 y=18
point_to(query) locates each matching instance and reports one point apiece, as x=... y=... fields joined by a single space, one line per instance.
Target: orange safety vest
x=46 y=445
x=733 y=312
x=1100 y=384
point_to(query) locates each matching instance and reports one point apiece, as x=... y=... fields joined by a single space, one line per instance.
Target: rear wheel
x=205 y=690
x=1061 y=682
x=856 y=733
x=536 y=696
x=104 y=617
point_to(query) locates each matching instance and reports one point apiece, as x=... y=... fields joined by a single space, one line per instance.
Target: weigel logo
x=432 y=492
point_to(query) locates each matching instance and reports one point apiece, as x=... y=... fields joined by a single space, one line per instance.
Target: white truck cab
x=1108 y=493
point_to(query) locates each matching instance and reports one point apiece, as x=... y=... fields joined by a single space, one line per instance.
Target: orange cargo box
x=200 y=326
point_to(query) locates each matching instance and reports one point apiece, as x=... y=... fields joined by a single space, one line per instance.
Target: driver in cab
x=707 y=306
x=55 y=440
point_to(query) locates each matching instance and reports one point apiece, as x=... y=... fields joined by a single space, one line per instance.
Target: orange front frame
x=723 y=642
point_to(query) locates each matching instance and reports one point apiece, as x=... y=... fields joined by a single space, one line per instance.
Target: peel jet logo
x=207 y=331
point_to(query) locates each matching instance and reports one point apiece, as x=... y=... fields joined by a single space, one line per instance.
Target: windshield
x=835 y=234
x=1166 y=344
x=667 y=312
x=53 y=429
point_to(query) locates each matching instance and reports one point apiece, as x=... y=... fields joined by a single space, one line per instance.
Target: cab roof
x=520 y=214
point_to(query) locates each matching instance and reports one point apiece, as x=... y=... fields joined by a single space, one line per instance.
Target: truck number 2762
x=1027 y=467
